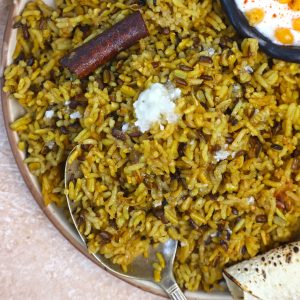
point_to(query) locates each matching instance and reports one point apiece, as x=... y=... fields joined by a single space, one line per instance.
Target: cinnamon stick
x=88 y=57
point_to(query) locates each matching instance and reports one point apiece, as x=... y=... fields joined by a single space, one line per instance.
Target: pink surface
x=36 y=262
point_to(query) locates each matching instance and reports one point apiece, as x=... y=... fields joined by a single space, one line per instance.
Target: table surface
x=36 y=262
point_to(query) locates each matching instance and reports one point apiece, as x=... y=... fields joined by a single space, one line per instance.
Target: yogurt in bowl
x=278 y=20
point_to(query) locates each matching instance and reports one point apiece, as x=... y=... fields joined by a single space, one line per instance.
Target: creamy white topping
x=221 y=155
x=75 y=115
x=248 y=69
x=125 y=127
x=211 y=51
x=156 y=104
x=277 y=15
x=50 y=145
x=49 y=114
x=251 y=200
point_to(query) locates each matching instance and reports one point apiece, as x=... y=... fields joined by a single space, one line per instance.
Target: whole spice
x=276 y=128
x=228 y=235
x=120 y=81
x=86 y=58
x=244 y=250
x=205 y=59
x=277 y=147
x=118 y=134
x=225 y=42
x=233 y=121
x=164 y=202
x=185 y=68
x=135 y=134
x=181 y=149
x=25 y=32
x=228 y=111
x=160 y=214
x=84 y=28
x=193 y=223
x=229 y=139
x=64 y=130
x=206 y=77
x=240 y=153
x=215 y=148
x=82 y=213
x=45 y=150
x=256 y=146
x=196 y=42
x=105 y=236
x=261 y=219
x=295 y=164
x=20 y=57
x=234 y=211
x=176 y=175
x=155 y=64
x=165 y=31
x=73 y=104
x=280 y=204
x=86 y=147
x=208 y=240
x=224 y=245
x=30 y=61
x=42 y=24
x=204 y=105
x=17 y=25
x=296 y=153
x=180 y=81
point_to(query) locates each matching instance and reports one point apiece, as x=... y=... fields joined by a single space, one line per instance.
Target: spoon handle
x=173 y=291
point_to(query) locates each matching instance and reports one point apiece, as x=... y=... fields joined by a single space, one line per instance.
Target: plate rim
x=35 y=192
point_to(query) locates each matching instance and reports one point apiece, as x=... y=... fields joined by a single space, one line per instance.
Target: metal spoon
x=141 y=268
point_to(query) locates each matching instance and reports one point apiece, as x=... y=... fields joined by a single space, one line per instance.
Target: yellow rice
x=142 y=190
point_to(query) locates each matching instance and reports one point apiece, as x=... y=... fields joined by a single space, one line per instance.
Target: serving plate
x=12 y=111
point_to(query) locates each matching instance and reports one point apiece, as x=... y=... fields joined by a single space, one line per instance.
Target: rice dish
x=223 y=179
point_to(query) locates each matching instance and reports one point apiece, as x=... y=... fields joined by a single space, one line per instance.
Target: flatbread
x=271 y=276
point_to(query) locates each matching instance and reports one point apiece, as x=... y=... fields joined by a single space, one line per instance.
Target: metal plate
x=12 y=111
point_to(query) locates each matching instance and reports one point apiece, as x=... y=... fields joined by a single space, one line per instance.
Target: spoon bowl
x=241 y=25
x=141 y=268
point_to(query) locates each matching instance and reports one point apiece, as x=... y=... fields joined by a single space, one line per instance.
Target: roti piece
x=274 y=275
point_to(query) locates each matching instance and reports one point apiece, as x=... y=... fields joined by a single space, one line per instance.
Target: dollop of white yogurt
x=49 y=114
x=221 y=155
x=156 y=104
x=251 y=200
x=75 y=115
